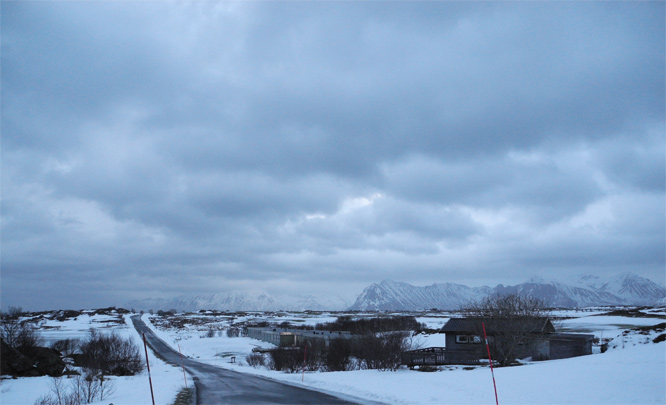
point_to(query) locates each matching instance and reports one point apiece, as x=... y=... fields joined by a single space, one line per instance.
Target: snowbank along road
x=215 y=385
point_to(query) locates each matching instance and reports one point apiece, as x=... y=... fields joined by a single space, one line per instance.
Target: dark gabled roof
x=460 y=325
x=494 y=325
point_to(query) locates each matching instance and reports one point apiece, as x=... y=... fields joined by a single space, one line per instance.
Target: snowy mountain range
x=393 y=295
x=248 y=300
x=587 y=290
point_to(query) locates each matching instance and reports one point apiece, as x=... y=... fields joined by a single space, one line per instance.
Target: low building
x=276 y=336
x=293 y=337
x=466 y=333
x=465 y=343
x=565 y=345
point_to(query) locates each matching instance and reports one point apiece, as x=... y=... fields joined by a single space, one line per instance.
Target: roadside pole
x=150 y=380
x=304 y=357
x=181 y=364
x=491 y=362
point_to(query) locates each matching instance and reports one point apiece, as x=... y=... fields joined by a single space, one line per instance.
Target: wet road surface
x=215 y=385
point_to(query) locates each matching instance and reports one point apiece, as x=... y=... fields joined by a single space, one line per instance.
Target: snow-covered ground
x=167 y=380
x=632 y=371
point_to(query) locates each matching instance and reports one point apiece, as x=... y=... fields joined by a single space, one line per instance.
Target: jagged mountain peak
x=393 y=283
x=392 y=295
x=586 y=290
x=630 y=287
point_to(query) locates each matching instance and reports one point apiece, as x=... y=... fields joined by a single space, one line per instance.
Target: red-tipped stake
x=181 y=364
x=150 y=380
x=491 y=362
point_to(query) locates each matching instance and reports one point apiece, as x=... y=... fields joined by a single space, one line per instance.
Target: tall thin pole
x=304 y=357
x=150 y=380
x=181 y=364
x=491 y=362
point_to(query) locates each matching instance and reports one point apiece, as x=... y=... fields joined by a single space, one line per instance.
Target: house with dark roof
x=466 y=333
x=465 y=343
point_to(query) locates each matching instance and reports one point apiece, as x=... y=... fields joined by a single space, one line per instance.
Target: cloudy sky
x=153 y=149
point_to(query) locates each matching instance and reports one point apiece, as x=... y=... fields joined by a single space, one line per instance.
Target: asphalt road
x=215 y=385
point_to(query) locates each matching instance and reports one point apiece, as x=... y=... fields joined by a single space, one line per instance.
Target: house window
x=468 y=339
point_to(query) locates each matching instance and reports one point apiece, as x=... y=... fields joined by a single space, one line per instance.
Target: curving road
x=215 y=385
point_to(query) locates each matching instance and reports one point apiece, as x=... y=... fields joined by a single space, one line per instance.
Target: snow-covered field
x=167 y=380
x=632 y=371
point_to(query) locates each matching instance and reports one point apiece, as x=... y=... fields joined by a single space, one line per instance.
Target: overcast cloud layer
x=155 y=149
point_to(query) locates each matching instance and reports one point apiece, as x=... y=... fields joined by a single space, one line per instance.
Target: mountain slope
x=237 y=301
x=623 y=289
x=233 y=301
x=556 y=294
x=392 y=295
x=628 y=286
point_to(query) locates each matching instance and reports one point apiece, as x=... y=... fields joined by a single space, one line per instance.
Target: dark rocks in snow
x=47 y=361
x=65 y=314
x=14 y=363
x=37 y=361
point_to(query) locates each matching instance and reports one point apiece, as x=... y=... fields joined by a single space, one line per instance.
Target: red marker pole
x=181 y=364
x=491 y=362
x=150 y=380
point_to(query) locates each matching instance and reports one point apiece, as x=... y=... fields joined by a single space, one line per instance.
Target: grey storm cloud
x=166 y=148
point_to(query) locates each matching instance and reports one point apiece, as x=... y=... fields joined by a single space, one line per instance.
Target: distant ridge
x=244 y=300
x=393 y=295
x=388 y=295
x=587 y=290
